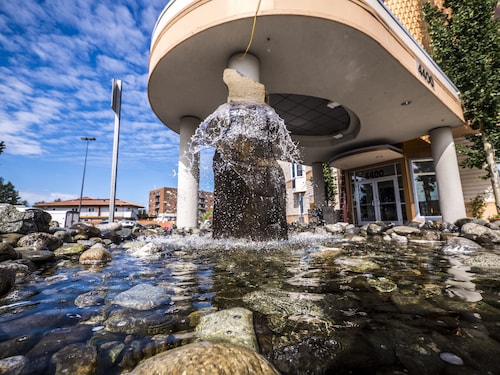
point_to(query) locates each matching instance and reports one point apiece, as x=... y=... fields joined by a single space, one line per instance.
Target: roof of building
x=342 y=77
x=87 y=201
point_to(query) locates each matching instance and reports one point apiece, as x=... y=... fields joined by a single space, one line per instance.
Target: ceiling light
x=406 y=102
x=333 y=105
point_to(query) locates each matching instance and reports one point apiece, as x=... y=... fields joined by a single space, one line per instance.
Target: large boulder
x=206 y=358
x=480 y=234
x=14 y=221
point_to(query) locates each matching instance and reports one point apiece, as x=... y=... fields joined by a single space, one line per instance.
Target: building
x=94 y=210
x=356 y=89
x=163 y=203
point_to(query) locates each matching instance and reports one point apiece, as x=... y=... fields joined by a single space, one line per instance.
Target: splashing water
x=233 y=128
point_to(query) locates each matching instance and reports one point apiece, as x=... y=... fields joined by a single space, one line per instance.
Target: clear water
x=321 y=306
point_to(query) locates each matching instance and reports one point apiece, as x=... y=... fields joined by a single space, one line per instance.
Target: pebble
x=451 y=359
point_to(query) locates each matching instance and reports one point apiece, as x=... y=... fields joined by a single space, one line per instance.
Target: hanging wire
x=253 y=31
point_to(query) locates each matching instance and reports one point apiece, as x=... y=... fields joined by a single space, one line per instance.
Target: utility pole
x=86 y=139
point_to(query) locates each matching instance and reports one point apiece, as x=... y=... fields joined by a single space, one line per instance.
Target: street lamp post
x=86 y=139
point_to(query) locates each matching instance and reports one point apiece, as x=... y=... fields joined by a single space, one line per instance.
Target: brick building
x=163 y=203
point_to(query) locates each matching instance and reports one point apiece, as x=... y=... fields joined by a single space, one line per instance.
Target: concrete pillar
x=451 y=198
x=188 y=179
x=318 y=185
x=247 y=66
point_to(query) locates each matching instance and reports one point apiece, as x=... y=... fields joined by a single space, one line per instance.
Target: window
x=297 y=172
x=425 y=189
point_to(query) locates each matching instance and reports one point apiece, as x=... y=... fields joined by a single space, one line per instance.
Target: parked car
x=129 y=223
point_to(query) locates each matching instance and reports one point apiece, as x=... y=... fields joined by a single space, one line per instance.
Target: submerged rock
x=75 y=359
x=357 y=264
x=206 y=358
x=484 y=261
x=142 y=297
x=383 y=285
x=285 y=308
x=233 y=325
x=15 y=365
x=139 y=322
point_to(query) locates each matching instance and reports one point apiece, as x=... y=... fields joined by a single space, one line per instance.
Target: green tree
x=330 y=177
x=465 y=42
x=8 y=193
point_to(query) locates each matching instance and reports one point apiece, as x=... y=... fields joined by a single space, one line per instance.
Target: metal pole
x=116 y=105
x=86 y=139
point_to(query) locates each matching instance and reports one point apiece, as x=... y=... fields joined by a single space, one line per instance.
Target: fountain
x=249 y=185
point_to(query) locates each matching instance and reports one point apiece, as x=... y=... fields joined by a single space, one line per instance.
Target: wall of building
x=163 y=202
x=473 y=185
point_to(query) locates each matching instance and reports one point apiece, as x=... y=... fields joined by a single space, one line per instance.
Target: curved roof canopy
x=343 y=74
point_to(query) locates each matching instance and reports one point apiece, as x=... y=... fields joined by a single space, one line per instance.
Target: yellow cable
x=253 y=31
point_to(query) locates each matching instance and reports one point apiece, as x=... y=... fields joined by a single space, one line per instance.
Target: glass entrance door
x=378 y=200
x=366 y=199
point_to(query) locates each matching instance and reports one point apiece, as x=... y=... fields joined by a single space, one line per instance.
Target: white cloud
x=35 y=197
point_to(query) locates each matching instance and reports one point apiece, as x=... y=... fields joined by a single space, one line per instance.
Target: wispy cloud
x=57 y=60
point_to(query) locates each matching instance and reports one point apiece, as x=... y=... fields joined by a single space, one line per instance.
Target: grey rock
x=92 y=298
x=16 y=365
x=7 y=280
x=37 y=256
x=132 y=321
x=7 y=252
x=460 y=245
x=403 y=230
x=336 y=228
x=15 y=221
x=85 y=231
x=40 y=241
x=480 y=233
x=142 y=297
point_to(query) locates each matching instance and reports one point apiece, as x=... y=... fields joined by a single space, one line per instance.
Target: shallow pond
x=321 y=305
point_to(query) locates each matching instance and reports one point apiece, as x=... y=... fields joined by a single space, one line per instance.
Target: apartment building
x=162 y=203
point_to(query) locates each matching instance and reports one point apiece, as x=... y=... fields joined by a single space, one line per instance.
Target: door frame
x=376 y=199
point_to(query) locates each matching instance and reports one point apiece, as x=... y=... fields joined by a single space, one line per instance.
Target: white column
x=318 y=185
x=188 y=177
x=247 y=66
x=451 y=198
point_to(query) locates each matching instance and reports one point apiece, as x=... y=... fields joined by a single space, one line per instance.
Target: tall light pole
x=86 y=139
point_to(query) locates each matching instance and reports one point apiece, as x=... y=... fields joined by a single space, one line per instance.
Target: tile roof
x=87 y=201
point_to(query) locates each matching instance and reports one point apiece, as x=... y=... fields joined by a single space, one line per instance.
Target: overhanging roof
x=353 y=52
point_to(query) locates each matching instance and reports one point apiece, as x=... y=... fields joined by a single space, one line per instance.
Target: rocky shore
x=30 y=242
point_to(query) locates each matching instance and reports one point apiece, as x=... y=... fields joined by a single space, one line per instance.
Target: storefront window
x=425 y=189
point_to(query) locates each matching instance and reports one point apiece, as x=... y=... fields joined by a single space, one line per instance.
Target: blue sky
x=57 y=62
